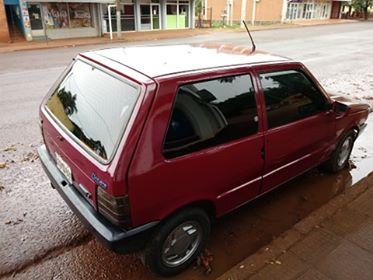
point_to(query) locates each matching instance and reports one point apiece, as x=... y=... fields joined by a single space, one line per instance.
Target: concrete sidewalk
x=334 y=242
x=21 y=45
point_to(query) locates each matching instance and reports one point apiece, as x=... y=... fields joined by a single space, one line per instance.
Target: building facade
x=271 y=11
x=60 y=19
x=143 y=15
x=4 y=29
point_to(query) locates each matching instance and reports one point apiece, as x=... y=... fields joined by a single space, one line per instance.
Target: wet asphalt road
x=41 y=238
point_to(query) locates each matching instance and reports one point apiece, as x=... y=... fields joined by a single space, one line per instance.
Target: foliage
x=68 y=101
x=362 y=6
x=198 y=8
x=220 y=24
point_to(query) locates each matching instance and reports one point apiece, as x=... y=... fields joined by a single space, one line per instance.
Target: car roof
x=156 y=61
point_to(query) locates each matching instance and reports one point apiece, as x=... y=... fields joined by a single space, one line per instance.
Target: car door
x=205 y=139
x=299 y=122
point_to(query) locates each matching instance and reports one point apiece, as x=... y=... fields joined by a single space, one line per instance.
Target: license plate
x=64 y=168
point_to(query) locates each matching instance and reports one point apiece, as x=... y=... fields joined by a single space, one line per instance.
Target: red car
x=148 y=145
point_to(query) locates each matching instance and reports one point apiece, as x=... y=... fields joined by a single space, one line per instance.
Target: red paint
x=224 y=176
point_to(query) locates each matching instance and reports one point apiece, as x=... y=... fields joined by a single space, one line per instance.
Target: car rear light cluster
x=115 y=208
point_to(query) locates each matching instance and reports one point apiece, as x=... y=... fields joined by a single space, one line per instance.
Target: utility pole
x=119 y=31
x=243 y=12
x=253 y=14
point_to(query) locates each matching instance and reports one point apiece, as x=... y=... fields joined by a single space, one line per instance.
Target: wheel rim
x=181 y=243
x=344 y=152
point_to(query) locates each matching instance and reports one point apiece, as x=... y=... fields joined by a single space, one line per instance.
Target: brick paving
x=334 y=242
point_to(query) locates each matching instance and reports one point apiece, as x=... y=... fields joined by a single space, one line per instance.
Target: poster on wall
x=25 y=18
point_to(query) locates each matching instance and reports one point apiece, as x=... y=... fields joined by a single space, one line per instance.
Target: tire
x=158 y=255
x=341 y=155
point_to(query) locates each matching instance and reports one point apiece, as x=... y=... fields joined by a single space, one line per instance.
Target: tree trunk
x=366 y=13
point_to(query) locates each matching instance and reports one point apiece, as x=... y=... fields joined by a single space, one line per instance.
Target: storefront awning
x=11 y=2
x=71 y=1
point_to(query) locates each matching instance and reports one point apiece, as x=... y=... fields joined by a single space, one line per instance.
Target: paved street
x=39 y=235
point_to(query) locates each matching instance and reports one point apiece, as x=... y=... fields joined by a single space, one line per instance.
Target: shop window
x=80 y=15
x=183 y=16
x=64 y=15
x=171 y=16
x=145 y=18
x=35 y=16
x=177 y=14
x=307 y=10
x=56 y=15
x=127 y=18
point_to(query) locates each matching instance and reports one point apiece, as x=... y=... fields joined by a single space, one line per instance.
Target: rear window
x=94 y=106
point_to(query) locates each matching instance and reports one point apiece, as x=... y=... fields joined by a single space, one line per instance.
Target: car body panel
x=239 y=177
x=292 y=148
x=182 y=58
x=225 y=176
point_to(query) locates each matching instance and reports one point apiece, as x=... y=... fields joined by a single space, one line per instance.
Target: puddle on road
x=235 y=236
x=243 y=232
x=362 y=155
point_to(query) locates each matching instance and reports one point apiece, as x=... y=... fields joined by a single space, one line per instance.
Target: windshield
x=94 y=106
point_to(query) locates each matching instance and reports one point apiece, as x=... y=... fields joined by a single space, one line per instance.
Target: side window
x=210 y=113
x=290 y=96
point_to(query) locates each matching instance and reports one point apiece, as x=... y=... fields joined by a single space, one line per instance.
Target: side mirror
x=340 y=108
x=329 y=106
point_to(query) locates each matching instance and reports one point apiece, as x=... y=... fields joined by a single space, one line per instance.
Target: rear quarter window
x=94 y=107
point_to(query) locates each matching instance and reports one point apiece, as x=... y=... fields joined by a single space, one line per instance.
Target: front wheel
x=341 y=155
x=178 y=242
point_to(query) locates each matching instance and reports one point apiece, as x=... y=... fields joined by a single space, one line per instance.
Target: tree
x=198 y=10
x=362 y=6
x=68 y=101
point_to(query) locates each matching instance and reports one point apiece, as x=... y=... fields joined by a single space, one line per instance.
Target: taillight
x=115 y=208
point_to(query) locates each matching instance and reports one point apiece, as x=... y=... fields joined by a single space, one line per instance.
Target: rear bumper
x=117 y=239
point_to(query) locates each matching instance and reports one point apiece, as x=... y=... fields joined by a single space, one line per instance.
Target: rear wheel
x=178 y=242
x=341 y=155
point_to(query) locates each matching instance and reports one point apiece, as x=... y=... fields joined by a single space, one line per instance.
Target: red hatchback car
x=148 y=145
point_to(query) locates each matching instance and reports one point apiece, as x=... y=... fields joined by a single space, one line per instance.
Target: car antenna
x=251 y=38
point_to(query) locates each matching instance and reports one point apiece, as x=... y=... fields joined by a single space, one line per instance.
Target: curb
x=269 y=253
x=9 y=48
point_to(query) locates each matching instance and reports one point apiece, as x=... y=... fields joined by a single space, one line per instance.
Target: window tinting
x=210 y=113
x=93 y=106
x=290 y=96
